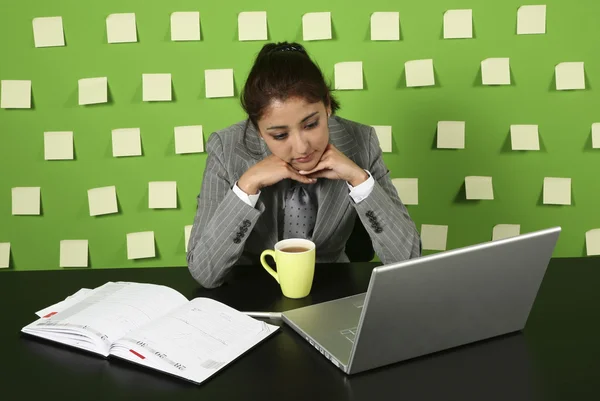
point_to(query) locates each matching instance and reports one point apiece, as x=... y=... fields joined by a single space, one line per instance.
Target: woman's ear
x=328 y=106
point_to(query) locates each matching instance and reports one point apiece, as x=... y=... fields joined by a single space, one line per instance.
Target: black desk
x=556 y=358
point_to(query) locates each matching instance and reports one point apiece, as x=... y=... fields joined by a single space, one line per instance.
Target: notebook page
x=111 y=311
x=64 y=304
x=72 y=340
x=194 y=341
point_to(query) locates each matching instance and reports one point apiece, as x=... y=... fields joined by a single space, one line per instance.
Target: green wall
x=564 y=118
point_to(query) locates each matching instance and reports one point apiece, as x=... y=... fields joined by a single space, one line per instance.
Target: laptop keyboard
x=350 y=334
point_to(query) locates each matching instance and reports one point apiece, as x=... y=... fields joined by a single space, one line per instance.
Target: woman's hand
x=336 y=166
x=267 y=172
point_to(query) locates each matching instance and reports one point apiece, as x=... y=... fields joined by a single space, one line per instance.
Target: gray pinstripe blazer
x=227 y=231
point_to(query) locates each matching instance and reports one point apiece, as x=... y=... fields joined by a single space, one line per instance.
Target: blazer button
x=237 y=240
x=374 y=225
x=244 y=229
x=370 y=214
x=247 y=223
x=378 y=230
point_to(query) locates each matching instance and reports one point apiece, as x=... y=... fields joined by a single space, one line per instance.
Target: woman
x=293 y=169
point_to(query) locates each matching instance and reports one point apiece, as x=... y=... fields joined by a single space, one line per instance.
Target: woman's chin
x=305 y=166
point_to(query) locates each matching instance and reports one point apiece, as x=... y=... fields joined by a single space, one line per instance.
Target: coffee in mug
x=295 y=249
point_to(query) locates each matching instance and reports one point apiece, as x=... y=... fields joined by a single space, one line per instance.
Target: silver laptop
x=429 y=304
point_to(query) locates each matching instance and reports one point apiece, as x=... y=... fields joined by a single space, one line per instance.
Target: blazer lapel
x=251 y=145
x=332 y=195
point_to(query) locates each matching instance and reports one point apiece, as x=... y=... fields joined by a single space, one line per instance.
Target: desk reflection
x=495 y=369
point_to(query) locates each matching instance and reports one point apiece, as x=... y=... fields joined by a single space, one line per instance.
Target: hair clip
x=290 y=48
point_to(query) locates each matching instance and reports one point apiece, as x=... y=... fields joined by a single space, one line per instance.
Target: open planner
x=152 y=325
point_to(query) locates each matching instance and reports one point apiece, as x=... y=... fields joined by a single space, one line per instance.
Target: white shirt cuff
x=363 y=190
x=249 y=199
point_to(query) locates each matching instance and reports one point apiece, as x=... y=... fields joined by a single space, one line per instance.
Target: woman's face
x=296 y=131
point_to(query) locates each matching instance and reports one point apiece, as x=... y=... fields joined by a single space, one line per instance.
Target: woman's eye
x=312 y=125
x=280 y=137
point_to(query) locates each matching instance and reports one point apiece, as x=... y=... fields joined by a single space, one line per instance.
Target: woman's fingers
x=303 y=179
x=294 y=175
x=324 y=174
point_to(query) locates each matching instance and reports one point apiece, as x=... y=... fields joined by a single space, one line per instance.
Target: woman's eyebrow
x=285 y=126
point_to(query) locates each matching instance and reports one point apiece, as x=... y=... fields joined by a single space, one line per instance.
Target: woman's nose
x=301 y=145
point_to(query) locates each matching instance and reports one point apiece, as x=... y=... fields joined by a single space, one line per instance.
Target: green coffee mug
x=295 y=263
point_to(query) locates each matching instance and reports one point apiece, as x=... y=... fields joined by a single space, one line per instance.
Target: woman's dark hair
x=281 y=71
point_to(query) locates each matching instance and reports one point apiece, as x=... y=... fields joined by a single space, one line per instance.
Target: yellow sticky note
x=187 y=233
x=48 y=32
x=189 y=139
x=596 y=135
x=93 y=90
x=121 y=28
x=408 y=190
x=434 y=237
x=58 y=145
x=524 y=137
x=458 y=24
x=252 y=25
x=162 y=195
x=26 y=201
x=102 y=201
x=502 y=231
x=15 y=94
x=219 y=83
x=74 y=253
x=140 y=245
x=451 y=134
x=419 y=73
x=384 y=135
x=557 y=191
x=157 y=87
x=385 y=26
x=348 y=75
x=4 y=255
x=570 y=76
x=316 y=26
x=479 y=188
x=185 y=26
x=592 y=242
x=126 y=142
x=495 y=71
x=531 y=20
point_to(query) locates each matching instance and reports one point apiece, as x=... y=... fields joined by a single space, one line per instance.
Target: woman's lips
x=304 y=159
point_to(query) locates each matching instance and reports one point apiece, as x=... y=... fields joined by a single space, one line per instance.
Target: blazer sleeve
x=222 y=222
x=384 y=216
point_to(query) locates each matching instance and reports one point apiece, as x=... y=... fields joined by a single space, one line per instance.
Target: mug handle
x=263 y=256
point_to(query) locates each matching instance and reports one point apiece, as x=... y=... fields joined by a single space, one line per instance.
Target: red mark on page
x=137 y=354
x=50 y=314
